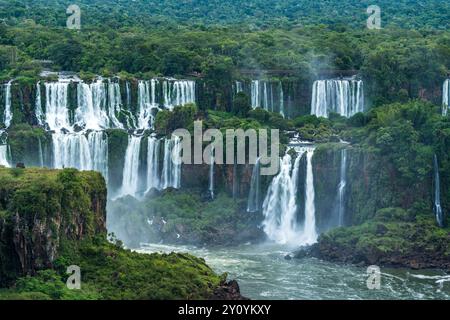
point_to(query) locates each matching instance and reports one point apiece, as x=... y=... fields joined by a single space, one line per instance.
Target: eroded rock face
x=228 y=291
x=42 y=208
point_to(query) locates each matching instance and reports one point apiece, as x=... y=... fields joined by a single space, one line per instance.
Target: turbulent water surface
x=264 y=273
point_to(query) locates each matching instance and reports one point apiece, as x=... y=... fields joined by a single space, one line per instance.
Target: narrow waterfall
x=239 y=87
x=280 y=205
x=153 y=180
x=41 y=154
x=437 y=195
x=178 y=93
x=309 y=235
x=255 y=91
x=130 y=180
x=342 y=187
x=254 y=197
x=7 y=115
x=280 y=89
x=345 y=97
x=211 y=173
x=40 y=117
x=267 y=95
x=171 y=173
x=445 y=97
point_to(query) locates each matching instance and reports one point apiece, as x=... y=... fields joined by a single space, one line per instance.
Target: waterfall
x=239 y=87
x=7 y=115
x=280 y=205
x=211 y=174
x=153 y=180
x=254 y=202
x=446 y=97
x=98 y=147
x=115 y=103
x=309 y=234
x=171 y=173
x=91 y=113
x=437 y=195
x=345 y=97
x=38 y=111
x=147 y=103
x=41 y=155
x=71 y=151
x=178 y=93
x=341 y=188
x=255 y=94
x=281 y=94
x=56 y=106
x=4 y=155
x=130 y=180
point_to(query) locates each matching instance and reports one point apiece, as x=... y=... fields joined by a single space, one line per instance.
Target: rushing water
x=264 y=273
x=445 y=97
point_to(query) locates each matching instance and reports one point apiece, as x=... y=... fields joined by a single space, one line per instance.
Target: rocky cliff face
x=40 y=209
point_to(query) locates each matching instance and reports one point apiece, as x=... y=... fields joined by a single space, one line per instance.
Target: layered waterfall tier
x=345 y=97
x=342 y=189
x=283 y=223
x=445 y=97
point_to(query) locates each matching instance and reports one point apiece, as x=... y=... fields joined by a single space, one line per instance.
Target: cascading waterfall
x=280 y=205
x=437 y=195
x=153 y=180
x=239 y=87
x=91 y=113
x=115 y=103
x=4 y=155
x=7 y=115
x=147 y=103
x=41 y=154
x=211 y=173
x=98 y=147
x=171 y=173
x=130 y=180
x=254 y=202
x=446 y=97
x=71 y=151
x=342 y=187
x=56 y=106
x=345 y=97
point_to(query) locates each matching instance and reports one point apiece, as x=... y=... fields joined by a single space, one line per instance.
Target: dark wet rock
x=228 y=291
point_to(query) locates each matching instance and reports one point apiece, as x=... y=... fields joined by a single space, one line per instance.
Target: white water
x=211 y=173
x=178 y=93
x=280 y=205
x=4 y=156
x=147 y=103
x=7 y=115
x=254 y=197
x=153 y=180
x=345 y=97
x=40 y=117
x=445 y=97
x=341 y=188
x=437 y=195
x=309 y=234
x=263 y=95
x=171 y=173
x=56 y=106
x=130 y=180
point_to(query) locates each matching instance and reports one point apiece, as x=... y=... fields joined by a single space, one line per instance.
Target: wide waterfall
x=437 y=195
x=153 y=180
x=57 y=105
x=130 y=180
x=345 y=97
x=171 y=173
x=7 y=114
x=280 y=205
x=254 y=197
x=341 y=188
x=445 y=97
